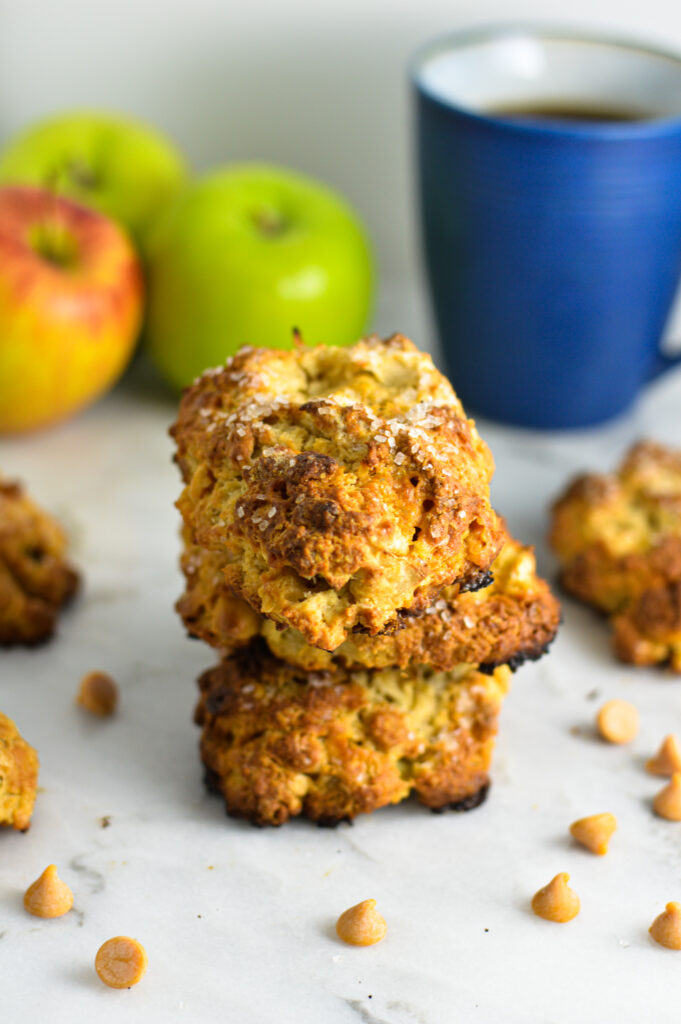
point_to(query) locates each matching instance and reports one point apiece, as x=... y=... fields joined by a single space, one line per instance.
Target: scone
x=35 y=577
x=279 y=742
x=341 y=487
x=513 y=619
x=18 y=777
x=618 y=538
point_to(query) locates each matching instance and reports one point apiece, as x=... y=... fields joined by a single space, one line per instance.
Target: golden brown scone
x=648 y=631
x=513 y=619
x=618 y=538
x=18 y=777
x=341 y=486
x=279 y=742
x=35 y=578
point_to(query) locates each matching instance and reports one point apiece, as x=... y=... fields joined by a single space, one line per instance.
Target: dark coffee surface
x=552 y=110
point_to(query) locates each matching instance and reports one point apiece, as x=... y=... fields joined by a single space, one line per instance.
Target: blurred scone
x=513 y=619
x=279 y=742
x=618 y=538
x=35 y=577
x=341 y=487
x=18 y=777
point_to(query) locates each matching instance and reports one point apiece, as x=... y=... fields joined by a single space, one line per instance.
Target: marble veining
x=357 y=1006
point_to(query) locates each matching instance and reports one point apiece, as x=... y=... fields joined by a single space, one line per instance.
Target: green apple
x=116 y=165
x=246 y=255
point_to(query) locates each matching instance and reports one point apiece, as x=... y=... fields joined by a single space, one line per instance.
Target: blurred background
x=319 y=86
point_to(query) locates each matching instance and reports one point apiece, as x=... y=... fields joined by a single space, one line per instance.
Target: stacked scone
x=342 y=554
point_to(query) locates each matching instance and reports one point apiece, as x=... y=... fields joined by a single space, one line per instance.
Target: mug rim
x=660 y=125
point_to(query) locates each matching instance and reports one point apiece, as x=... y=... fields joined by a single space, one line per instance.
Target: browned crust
x=336 y=499
x=18 y=777
x=278 y=742
x=648 y=631
x=36 y=580
x=618 y=538
x=513 y=619
x=610 y=583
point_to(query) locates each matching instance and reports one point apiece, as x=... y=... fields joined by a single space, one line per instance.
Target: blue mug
x=550 y=195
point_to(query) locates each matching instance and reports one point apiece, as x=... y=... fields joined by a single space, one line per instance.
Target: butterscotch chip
x=668 y=758
x=361 y=925
x=48 y=896
x=618 y=721
x=667 y=803
x=121 y=962
x=666 y=928
x=556 y=901
x=594 y=832
x=98 y=694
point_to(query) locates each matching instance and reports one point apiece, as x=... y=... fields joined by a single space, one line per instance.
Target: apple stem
x=298 y=342
x=70 y=172
x=54 y=243
x=268 y=221
x=82 y=174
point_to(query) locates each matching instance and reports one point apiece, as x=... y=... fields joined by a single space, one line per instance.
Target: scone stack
x=342 y=555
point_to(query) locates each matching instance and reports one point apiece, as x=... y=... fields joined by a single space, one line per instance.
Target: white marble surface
x=238 y=922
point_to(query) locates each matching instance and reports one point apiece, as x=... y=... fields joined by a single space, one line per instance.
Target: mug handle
x=662 y=363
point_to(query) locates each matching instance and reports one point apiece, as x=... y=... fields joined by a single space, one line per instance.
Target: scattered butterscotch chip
x=667 y=803
x=361 y=925
x=617 y=721
x=594 y=832
x=98 y=694
x=121 y=962
x=48 y=896
x=668 y=758
x=556 y=901
x=666 y=928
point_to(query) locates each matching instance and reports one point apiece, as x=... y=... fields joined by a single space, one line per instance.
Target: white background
x=319 y=85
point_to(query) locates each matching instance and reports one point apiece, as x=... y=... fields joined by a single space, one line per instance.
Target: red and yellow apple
x=71 y=303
